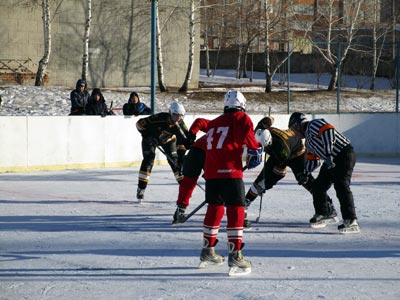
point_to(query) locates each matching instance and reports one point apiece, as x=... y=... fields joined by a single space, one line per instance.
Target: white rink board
x=60 y=142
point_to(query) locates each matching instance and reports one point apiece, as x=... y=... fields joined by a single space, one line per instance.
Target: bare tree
x=336 y=30
x=160 y=65
x=129 y=45
x=86 y=40
x=213 y=25
x=252 y=28
x=192 y=32
x=378 y=36
x=272 y=15
x=43 y=63
x=204 y=22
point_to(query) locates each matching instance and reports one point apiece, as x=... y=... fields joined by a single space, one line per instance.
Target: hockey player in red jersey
x=193 y=164
x=223 y=172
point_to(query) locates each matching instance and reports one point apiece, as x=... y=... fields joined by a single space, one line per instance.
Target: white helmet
x=263 y=136
x=176 y=108
x=234 y=99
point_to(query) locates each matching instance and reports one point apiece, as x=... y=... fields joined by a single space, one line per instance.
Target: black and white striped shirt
x=322 y=140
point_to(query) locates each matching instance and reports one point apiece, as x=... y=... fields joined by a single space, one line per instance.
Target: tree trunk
x=189 y=70
x=129 y=46
x=43 y=63
x=160 y=66
x=333 y=81
x=268 y=79
x=239 y=59
x=85 y=58
x=208 y=72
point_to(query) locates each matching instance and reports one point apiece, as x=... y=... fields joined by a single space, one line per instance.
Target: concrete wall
x=51 y=143
x=21 y=37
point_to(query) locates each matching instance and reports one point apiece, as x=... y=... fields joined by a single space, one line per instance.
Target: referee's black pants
x=340 y=177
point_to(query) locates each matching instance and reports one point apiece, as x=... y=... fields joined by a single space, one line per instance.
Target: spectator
x=79 y=98
x=97 y=105
x=135 y=107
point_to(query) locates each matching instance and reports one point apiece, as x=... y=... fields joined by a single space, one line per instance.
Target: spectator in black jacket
x=97 y=104
x=135 y=107
x=79 y=98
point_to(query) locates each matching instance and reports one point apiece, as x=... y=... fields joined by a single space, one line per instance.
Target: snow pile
x=51 y=101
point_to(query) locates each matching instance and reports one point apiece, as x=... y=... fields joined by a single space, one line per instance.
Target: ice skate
x=246 y=225
x=349 y=227
x=320 y=221
x=179 y=215
x=246 y=222
x=209 y=258
x=140 y=194
x=238 y=265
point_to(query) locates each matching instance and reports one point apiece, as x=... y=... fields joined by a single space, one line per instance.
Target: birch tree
x=251 y=16
x=44 y=61
x=192 y=33
x=160 y=64
x=129 y=46
x=272 y=16
x=205 y=35
x=379 y=34
x=86 y=40
x=339 y=30
x=213 y=20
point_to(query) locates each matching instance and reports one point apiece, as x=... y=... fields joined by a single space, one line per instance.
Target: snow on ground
x=79 y=234
x=20 y=100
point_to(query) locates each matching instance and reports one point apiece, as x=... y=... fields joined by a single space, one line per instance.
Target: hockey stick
x=195 y=210
x=174 y=163
x=261 y=196
x=259 y=210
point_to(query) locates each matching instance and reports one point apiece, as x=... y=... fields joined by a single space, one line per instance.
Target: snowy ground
x=55 y=101
x=78 y=234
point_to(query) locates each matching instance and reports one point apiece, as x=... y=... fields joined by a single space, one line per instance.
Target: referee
x=324 y=142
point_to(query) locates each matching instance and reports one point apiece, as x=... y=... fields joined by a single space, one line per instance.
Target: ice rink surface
x=80 y=234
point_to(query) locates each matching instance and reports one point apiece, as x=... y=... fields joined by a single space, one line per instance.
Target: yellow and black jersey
x=155 y=125
x=285 y=145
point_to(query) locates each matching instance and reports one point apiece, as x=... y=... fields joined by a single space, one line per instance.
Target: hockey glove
x=329 y=162
x=254 y=158
x=303 y=178
x=166 y=137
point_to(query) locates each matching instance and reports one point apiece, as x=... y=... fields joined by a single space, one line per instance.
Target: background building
x=119 y=46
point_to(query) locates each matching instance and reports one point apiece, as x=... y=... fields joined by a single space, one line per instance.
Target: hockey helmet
x=263 y=136
x=234 y=99
x=297 y=118
x=176 y=108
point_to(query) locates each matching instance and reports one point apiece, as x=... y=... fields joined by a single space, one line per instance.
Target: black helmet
x=297 y=118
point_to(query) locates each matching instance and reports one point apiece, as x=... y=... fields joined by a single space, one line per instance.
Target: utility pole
x=153 y=56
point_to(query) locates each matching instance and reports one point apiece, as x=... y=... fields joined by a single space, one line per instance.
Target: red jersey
x=200 y=124
x=226 y=136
